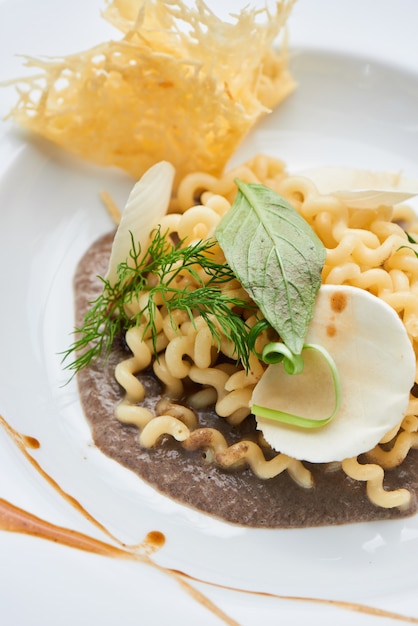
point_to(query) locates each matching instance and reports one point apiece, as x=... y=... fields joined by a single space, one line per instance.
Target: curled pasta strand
x=235 y=405
x=360 y=236
x=314 y=206
x=406 y=304
x=238 y=416
x=410 y=320
x=400 y=280
x=128 y=413
x=402 y=300
x=172 y=322
x=163 y=425
x=322 y=224
x=412 y=406
x=213 y=376
x=139 y=305
x=125 y=370
x=297 y=188
x=203 y=398
x=192 y=326
x=216 y=449
x=227 y=347
x=193 y=184
x=217 y=203
x=267 y=167
x=245 y=452
x=342 y=252
x=391 y=434
x=376 y=281
x=404 y=214
x=158 y=344
x=166 y=407
x=373 y=475
x=365 y=255
x=173 y=386
x=198 y=222
x=206 y=438
x=385 y=228
x=388 y=459
x=139 y=349
x=203 y=348
x=177 y=349
x=405 y=261
x=125 y=376
x=345 y=273
x=410 y=423
x=233 y=401
x=250 y=453
x=169 y=223
x=244 y=378
x=300 y=474
x=377 y=256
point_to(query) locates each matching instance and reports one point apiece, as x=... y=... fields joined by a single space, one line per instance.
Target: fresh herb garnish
x=164 y=262
x=410 y=238
x=269 y=248
x=276 y=256
x=278 y=259
x=408 y=248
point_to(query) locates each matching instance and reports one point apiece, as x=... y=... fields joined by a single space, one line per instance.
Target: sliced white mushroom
x=363 y=189
x=147 y=204
x=376 y=365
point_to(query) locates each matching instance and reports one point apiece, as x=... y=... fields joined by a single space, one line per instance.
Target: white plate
x=350 y=109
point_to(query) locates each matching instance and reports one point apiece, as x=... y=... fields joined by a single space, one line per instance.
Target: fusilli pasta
x=365 y=248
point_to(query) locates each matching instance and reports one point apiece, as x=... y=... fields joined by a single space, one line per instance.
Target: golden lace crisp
x=172 y=88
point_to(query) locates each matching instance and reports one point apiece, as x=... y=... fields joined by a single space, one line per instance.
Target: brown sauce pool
x=237 y=497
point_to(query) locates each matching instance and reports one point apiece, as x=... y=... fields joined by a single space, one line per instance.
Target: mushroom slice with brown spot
x=376 y=366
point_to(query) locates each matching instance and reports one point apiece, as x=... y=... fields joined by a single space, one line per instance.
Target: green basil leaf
x=276 y=256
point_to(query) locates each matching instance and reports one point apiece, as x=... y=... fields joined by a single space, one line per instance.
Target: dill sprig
x=155 y=271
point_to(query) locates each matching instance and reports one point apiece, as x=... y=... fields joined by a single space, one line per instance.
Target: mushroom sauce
x=188 y=477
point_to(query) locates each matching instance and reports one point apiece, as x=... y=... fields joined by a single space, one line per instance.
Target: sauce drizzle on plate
x=15 y=519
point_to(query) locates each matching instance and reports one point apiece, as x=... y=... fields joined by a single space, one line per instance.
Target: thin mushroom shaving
x=362 y=189
x=147 y=203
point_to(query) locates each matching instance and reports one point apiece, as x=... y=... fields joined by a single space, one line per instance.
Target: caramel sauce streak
x=340 y=604
x=15 y=519
x=23 y=442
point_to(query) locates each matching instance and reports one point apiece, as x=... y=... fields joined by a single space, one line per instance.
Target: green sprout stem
x=276 y=352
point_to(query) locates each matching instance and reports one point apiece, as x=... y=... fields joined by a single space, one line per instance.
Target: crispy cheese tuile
x=376 y=365
x=180 y=85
